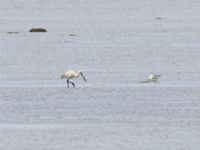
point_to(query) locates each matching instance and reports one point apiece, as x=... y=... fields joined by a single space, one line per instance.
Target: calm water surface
x=117 y=44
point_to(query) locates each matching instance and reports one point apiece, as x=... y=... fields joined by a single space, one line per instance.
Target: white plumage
x=153 y=77
x=70 y=75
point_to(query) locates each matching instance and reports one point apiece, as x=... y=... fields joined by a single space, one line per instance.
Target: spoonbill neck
x=77 y=74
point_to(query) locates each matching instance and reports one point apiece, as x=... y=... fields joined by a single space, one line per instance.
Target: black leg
x=72 y=83
x=67 y=83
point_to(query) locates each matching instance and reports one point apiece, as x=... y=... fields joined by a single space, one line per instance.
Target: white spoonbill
x=152 y=78
x=70 y=75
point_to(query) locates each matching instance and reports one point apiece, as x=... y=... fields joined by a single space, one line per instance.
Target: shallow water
x=116 y=44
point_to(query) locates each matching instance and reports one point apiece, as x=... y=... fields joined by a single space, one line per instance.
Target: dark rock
x=37 y=30
x=158 y=18
x=67 y=41
x=72 y=35
x=12 y=32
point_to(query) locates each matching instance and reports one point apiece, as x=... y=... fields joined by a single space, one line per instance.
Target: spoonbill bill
x=152 y=78
x=70 y=75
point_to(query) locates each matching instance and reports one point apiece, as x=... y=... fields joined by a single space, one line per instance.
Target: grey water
x=116 y=44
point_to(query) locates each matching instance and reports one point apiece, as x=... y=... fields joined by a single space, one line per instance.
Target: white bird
x=70 y=75
x=152 y=78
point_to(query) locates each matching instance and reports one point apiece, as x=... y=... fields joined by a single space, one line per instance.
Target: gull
x=152 y=78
